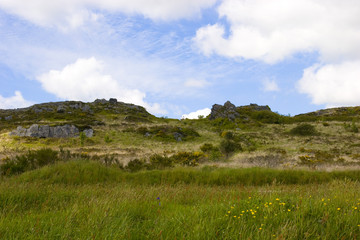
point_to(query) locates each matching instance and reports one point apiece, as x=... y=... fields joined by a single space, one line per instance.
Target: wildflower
x=229 y=212
x=289 y=210
x=338 y=209
x=277 y=199
x=260 y=228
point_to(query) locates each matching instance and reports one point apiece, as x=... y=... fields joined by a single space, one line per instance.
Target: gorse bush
x=304 y=129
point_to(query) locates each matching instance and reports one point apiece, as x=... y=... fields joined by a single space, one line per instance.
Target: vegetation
x=260 y=175
x=82 y=200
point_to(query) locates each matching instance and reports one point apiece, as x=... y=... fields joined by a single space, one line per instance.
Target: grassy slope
x=85 y=200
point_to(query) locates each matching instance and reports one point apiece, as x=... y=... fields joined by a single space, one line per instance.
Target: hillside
x=230 y=136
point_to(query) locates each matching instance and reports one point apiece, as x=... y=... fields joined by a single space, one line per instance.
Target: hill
x=230 y=136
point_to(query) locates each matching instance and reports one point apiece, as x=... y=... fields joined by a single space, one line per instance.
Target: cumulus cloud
x=270 y=86
x=196 y=83
x=16 y=101
x=270 y=31
x=332 y=84
x=84 y=80
x=195 y=115
x=76 y=12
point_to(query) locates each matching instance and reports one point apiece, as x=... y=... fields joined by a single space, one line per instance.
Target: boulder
x=89 y=132
x=8 y=118
x=113 y=100
x=45 y=131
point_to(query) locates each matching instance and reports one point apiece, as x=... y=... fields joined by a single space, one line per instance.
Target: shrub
x=29 y=161
x=160 y=162
x=135 y=165
x=304 y=129
x=228 y=147
x=188 y=158
x=207 y=147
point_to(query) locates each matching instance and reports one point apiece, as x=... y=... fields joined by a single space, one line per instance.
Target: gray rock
x=89 y=132
x=113 y=100
x=226 y=111
x=178 y=136
x=86 y=108
x=147 y=134
x=102 y=101
x=20 y=131
x=8 y=118
x=60 y=109
x=37 y=110
x=33 y=131
x=45 y=131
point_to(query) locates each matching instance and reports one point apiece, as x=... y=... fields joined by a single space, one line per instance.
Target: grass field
x=86 y=200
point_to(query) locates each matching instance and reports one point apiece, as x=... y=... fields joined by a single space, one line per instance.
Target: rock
x=8 y=118
x=256 y=107
x=178 y=136
x=60 y=109
x=226 y=111
x=20 y=131
x=89 y=132
x=231 y=112
x=147 y=134
x=86 y=108
x=102 y=101
x=113 y=100
x=33 y=131
x=37 y=110
x=45 y=131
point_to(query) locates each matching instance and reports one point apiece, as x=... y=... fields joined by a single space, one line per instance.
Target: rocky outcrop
x=226 y=111
x=231 y=112
x=45 y=131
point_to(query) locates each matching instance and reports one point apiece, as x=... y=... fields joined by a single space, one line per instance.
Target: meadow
x=260 y=176
x=87 y=200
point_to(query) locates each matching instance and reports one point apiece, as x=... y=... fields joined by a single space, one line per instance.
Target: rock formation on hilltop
x=231 y=112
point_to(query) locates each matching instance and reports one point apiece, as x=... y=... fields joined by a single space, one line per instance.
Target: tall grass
x=85 y=200
x=87 y=172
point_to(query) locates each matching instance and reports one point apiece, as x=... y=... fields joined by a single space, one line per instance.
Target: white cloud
x=270 y=86
x=76 y=12
x=195 y=115
x=196 y=83
x=84 y=80
x=16 y=101
x=270 y=31
x=332 y=84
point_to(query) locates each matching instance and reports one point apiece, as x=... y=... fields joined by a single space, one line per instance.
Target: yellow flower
x=338 y=209
x=277 y=199
x=229 y=212
x=260 y=228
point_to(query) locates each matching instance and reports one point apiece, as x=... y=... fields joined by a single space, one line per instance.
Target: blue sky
x=181 y=56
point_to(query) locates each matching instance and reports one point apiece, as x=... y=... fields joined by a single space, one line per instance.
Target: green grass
x=85 y=200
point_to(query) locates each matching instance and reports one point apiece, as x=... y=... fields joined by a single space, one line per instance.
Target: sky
x=179 y=57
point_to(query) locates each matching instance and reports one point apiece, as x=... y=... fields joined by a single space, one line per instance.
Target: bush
x=160 y=162
x=188 y=158
x=228 y=147
x=207 y=147
x=29 y=161
x=136 y=165
x=304 y=129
